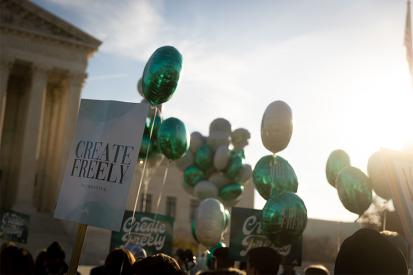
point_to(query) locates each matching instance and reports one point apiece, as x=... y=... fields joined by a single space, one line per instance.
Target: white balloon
x=221 y=157
x=185 y=161
x=205 y=189
x=244 y=174
x=239 y=138
x=210 y=222
x=219 y=179
x=218 y=139
x=220 y=125
x=276 y=126
x=197 y=140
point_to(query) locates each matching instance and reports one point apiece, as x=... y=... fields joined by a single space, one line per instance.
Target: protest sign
x=246 y=233
x=14 y=226
x=152 y=232
x=101 y=163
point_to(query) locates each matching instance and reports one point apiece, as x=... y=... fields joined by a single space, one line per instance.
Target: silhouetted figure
x=119 y=261
x=40 y=265
x=137 y=251
x=316 y=270
x=263 y=260
x=15 y=260
x=157 y=264
x=55 y=259
x=288 y=270
x=222 y=258
x=223 y=271
x=367 y=252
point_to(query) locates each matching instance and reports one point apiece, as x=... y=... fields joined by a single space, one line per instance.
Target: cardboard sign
x=246 y=233
x=101 y=163
x=152 y=232
x=399 y=171
x=14 y=226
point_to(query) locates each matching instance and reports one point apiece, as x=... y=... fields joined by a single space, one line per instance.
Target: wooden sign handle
x=77 y=249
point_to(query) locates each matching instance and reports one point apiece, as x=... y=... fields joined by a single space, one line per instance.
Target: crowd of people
x=365 y=252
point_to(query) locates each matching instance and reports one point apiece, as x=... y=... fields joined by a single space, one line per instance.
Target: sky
x=340 y=65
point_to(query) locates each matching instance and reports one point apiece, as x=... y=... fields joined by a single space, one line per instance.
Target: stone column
x=31 y=140
x=5 y=68
x=71 y=101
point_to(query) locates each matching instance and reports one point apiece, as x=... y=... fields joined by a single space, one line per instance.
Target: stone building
x=43 y=61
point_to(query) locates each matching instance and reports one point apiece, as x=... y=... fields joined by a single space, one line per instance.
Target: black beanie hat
x=367 y=252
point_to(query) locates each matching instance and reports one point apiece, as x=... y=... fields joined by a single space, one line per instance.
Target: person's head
x=119 y=261
x=367 y=252
x=40 y=263
x=15 y=260
x=137 y=251
x=263 y=260
x=316 y=270
x=55 y=258
x=157 y=264
x=222 y=258
x=223 y=271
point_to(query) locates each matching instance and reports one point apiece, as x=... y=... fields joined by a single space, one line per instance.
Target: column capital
x=39 y=68
x=6 y=63
x=76 y=79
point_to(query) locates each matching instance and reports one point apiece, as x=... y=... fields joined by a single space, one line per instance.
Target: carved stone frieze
x=22 y=15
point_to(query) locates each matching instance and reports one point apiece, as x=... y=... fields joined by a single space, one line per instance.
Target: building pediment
x=22 y=16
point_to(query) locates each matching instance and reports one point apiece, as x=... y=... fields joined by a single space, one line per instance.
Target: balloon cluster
x=284 y=216
x=214 y=166
x=157 y=85
x=353 y=186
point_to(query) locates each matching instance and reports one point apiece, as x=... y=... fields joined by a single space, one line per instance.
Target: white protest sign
x=101 y=163
x=399 y=173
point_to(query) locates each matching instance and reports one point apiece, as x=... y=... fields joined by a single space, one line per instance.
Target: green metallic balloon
x=193 y=230
x=161 y=75
x=153 y=147
x=204 y=157
x=284 y=218
x=274 y=175
x=173 y=139
x=193 y=175
x=337 y=160
x=145 y=143
x=157 y=121
x=234 y=165
x=231 y=191
x=354 y=190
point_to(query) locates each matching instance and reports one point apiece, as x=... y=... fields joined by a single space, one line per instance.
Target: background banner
x=246 y=233
x=152 y=232
x=101 y=163
x=14 y=226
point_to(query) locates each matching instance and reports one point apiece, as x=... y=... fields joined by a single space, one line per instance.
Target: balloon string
x=143 y=171
x=161 y=191
x=272 y=173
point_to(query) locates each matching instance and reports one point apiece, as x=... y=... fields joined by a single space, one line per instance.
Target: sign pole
x=77 y=249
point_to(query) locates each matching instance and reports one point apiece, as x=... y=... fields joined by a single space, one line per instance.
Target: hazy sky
x=339 y=64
